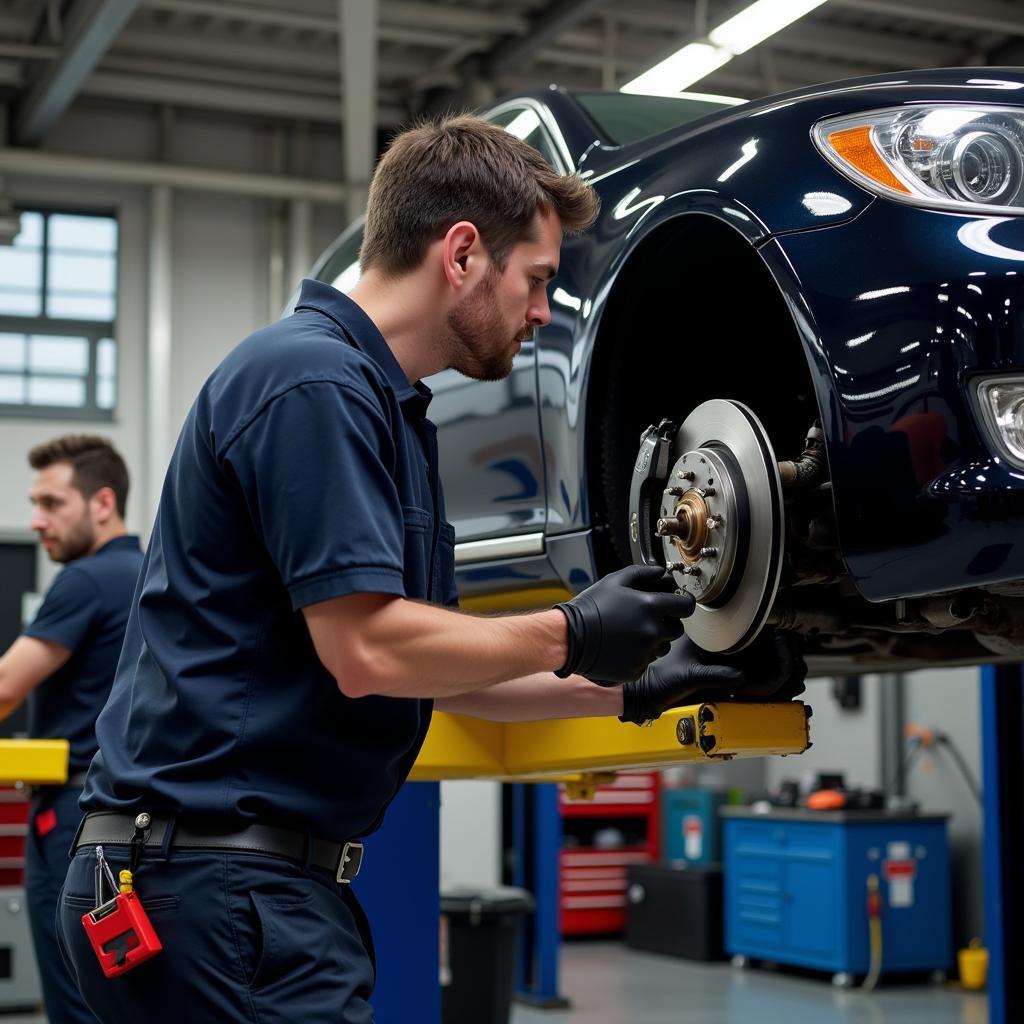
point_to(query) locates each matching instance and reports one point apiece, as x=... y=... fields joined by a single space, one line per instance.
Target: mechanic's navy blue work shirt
x=306 y=470
x=85 y=610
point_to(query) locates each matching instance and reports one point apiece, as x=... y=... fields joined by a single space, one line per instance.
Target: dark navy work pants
x=52 y=823
x=245 y=937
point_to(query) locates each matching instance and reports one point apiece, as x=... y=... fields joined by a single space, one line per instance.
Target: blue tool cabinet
x=796 y=886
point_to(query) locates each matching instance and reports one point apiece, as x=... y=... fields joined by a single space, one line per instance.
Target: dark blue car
x=815 y=300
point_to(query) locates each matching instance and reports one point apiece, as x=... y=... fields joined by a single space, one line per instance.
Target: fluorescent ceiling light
x=686 y=66
x=757 y=22
x=751 y=26
x=710 y=97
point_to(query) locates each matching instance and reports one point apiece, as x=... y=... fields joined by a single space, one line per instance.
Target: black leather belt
x=106 y=828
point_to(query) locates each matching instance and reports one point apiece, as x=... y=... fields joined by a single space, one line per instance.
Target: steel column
x=1002 y=724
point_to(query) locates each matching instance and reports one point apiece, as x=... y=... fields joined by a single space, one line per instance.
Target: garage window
x=58 y=306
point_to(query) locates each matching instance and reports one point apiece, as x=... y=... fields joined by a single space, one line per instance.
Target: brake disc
x=706 y=502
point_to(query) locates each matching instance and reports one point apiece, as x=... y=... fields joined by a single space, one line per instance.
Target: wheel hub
x=717 y=524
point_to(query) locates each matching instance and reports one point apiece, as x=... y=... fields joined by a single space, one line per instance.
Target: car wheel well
x=694 y=283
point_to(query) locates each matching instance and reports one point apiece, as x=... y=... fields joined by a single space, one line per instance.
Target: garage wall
x=844 y=741
x=950 y=700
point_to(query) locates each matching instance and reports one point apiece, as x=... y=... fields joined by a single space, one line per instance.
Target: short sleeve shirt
x=306 y=470
x=85 y=610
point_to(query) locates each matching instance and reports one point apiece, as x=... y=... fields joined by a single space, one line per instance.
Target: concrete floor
x=609 y=984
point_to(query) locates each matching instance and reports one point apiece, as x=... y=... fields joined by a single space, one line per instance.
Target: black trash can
x=480 y=931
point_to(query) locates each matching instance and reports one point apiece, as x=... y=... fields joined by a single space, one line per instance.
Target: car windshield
x=626 y=117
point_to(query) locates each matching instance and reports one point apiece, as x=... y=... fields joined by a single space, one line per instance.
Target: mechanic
x=63 y=665
x=290 y=637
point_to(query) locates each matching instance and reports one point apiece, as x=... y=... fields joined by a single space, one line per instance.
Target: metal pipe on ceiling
x=135 y=172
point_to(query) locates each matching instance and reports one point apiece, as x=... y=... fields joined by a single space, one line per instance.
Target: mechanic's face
x=489 y=326
x=62 y=516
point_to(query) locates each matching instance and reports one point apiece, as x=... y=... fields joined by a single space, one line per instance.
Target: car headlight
x=967 y=158
x=1002 y=407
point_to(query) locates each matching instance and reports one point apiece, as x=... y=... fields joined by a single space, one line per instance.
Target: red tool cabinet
x=592 y=876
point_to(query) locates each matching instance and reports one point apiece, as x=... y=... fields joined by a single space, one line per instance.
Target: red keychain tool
x=119 y=930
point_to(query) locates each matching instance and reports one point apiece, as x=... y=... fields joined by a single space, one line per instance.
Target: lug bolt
x=714 y=522
x=706 y=492
x=676 y=567
x=708 y=552
x=686 y=475
x=690 y=570
x=676 y=492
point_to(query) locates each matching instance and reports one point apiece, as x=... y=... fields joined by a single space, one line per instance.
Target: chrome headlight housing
x=1001 y=400
x=968 y=158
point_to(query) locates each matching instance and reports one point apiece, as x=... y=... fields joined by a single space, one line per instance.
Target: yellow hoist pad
x=459 y=747
x=34 y=762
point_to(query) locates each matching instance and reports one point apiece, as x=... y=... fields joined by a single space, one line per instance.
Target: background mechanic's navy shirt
x=85 y=610
x=306 y=470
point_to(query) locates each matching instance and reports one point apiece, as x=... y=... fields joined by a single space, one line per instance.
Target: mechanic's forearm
x=407 y=649
x=537 y=697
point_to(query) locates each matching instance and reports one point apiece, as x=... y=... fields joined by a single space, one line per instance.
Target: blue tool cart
x=797 y=889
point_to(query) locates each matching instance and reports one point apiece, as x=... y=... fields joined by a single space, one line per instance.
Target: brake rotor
x=718 y=520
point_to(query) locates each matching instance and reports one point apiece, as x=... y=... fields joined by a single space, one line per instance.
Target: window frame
x=93 y=331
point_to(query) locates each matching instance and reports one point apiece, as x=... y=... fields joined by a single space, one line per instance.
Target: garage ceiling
x=278 y=60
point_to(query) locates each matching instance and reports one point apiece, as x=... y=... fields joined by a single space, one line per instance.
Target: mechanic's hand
x=618 y=626
x=770 y=669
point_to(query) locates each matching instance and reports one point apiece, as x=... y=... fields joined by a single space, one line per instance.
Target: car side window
x=524 y=123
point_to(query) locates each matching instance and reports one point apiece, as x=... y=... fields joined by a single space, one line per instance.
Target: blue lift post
x=399 y=887
x=1002 y=752
x=537 y=840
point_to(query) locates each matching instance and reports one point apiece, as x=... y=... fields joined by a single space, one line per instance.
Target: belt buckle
x=349 y=863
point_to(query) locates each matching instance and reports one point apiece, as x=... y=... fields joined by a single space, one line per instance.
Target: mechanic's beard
x=79 y=542
x=479 y=343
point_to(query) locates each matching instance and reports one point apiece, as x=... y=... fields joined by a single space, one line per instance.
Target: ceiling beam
x=979 y=15
x=541 y=30
x=225 y=98
x=91 y=28
x=221 y=49
x=885 y=48
x=459 y=20
x=455 y=22
x=403 y=30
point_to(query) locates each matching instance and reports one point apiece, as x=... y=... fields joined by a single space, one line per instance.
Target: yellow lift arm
x=34 y=762
x=460 y=747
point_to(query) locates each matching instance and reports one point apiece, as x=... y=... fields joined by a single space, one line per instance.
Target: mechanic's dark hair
x=462 y=167
x=94 y=460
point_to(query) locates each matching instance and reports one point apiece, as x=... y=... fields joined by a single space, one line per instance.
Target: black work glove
x=618 y=626
x=770 y=669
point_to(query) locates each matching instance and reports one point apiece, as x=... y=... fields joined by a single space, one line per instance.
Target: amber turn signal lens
x=854 y=145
